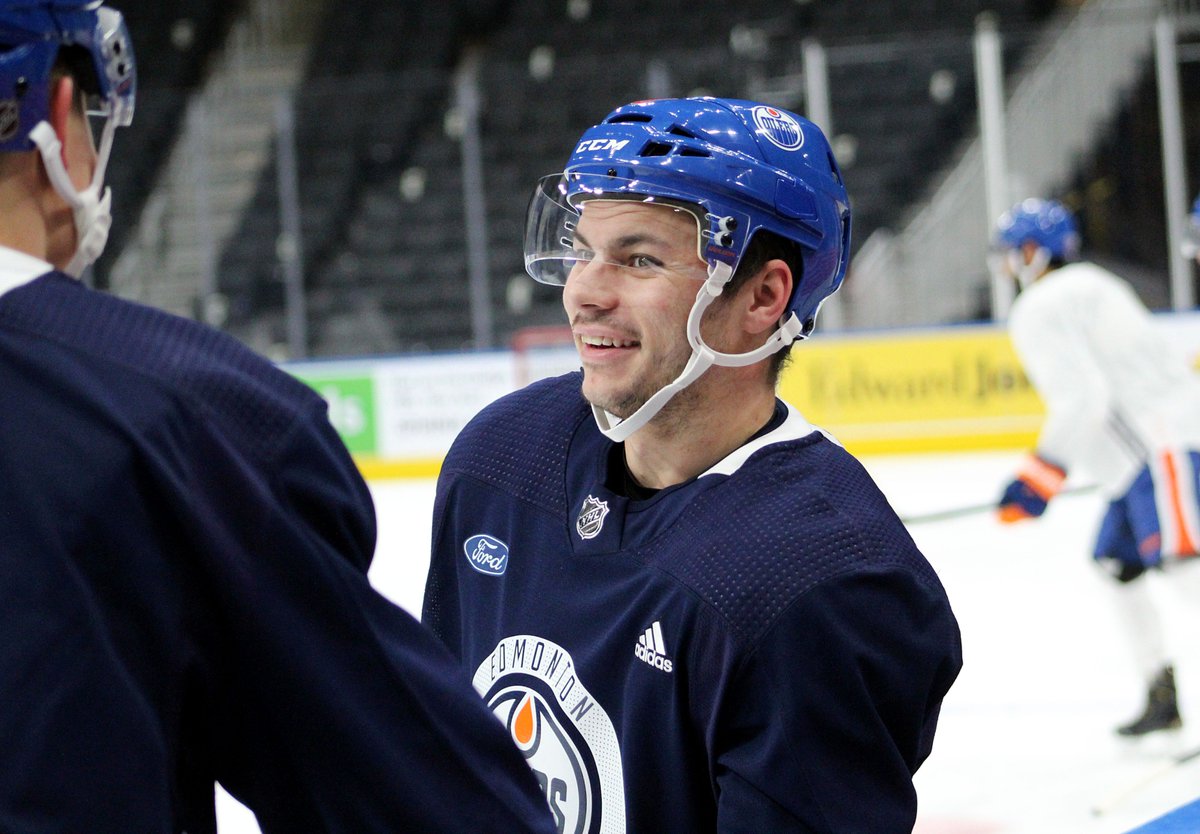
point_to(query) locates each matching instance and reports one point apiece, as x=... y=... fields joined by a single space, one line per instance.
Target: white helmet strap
x=703 y=357
x=91 y=207
x=1027 y=273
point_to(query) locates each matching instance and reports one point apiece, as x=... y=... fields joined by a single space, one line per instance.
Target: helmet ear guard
x=746 y=168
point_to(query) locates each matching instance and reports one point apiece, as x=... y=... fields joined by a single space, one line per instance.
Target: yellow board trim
x=383 y=469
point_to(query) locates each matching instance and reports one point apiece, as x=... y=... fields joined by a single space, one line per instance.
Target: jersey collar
x=793 y=427
x=18 y=269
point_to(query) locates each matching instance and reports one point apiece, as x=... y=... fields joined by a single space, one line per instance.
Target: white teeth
x=605 y=341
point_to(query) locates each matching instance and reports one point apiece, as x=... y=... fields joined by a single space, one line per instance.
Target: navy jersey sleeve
x=834 y=749
x=334 y=704
x=184 y=544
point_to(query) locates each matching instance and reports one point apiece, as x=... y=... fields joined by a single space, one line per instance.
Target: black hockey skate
x=1162 y=710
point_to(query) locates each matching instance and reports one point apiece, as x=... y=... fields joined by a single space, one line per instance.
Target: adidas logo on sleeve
x=651 y=650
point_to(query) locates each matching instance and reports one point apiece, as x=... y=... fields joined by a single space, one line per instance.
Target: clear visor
x=554 y=246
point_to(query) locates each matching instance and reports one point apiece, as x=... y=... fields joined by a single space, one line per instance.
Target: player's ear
x=1029 y=251
x=769 y=292
x=62 y=101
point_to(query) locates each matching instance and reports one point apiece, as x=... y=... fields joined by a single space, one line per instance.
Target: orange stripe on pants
x=1186 y=545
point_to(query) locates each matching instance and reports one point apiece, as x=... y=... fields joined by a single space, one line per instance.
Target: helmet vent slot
x=682 y=131
x=656 y=149
x=685 y=151
x=628 y=117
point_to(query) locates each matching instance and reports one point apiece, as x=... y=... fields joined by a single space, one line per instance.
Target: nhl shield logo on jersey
x=567 y=738
x=591 y=517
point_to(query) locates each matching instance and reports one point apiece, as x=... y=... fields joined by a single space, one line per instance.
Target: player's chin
x=598 y=394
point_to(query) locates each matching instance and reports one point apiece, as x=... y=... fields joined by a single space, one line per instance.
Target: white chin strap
x=1027 y=273
x=703 y=357
x=91 y=206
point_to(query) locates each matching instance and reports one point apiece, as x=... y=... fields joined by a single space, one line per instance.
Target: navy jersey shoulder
x=520 y=442
x=796 y=514
x=168 y=357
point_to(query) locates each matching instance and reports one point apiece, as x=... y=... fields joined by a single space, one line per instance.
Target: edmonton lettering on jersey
x=531 y=685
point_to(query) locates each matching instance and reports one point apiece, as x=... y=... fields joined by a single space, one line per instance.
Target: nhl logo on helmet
x=591 y=517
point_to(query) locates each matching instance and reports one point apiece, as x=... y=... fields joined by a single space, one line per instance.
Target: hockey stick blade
x=975 y=509
x=1146 y=779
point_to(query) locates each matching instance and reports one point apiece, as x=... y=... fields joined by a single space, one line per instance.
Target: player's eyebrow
x=626 y=241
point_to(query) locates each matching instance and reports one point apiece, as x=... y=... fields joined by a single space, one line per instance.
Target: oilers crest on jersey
x=531 y=684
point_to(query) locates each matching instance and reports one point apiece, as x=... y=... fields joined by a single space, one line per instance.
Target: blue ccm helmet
x=96 y=42
x=1046 y=223
x=741 y=167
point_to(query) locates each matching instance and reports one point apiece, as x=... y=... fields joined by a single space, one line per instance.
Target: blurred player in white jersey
x=1122 y=409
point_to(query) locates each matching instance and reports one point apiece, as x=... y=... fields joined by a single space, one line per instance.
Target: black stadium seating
x=173 y=42
x=378 y=91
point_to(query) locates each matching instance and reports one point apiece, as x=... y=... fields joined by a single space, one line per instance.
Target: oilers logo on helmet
x=780 y=129
x=567 y=738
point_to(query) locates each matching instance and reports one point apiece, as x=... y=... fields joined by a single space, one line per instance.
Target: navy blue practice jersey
x=183 y=552
x=759 y=649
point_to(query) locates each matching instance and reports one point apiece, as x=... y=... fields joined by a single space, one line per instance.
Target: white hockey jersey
x=1116 y=389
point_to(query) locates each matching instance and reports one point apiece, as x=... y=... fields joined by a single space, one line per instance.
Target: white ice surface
x=1025 y=743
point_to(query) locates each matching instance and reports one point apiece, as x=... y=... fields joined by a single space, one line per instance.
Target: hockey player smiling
x=628 y=300
x=709 y=620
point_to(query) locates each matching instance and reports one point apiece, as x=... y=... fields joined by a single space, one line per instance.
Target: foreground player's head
x=1033 y=237
x=63 y=62
x=748 y=182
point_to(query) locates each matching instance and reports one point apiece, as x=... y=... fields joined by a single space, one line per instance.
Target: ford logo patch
x=487 y=554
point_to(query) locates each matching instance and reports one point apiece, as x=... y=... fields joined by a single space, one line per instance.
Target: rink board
x=923 y=390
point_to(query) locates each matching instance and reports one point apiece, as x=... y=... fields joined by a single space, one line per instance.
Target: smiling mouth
x=607 y=342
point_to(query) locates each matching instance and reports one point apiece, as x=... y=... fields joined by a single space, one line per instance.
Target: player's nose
x=593 y=284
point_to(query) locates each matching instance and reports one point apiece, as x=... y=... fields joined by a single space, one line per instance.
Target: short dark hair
x=767 y=246
x=76 y=62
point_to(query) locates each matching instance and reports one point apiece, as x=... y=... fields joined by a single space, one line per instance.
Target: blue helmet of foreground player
x=1045 y=223
x=745 y=167
x=34 y=33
